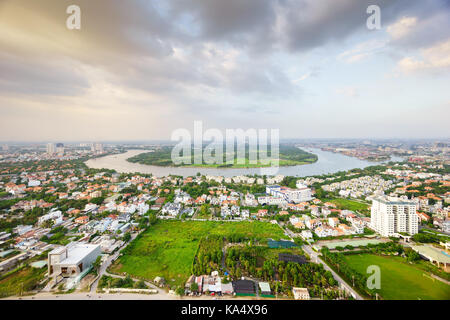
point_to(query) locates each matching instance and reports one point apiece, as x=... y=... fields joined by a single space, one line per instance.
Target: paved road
x=315 y=258
x=97 y=296
x=123 y=296
x=108 y=262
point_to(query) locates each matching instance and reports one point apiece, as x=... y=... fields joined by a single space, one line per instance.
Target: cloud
x=170 y=60
x=351 y=92
x=435 y=59
x=424 y=24
x=362 y=51
x=313 y=23
x=402 y=27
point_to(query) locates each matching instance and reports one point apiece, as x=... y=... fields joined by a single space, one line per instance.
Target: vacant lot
x=168 y=248
x=401 y=280
x=20 y=281
x=349 y=205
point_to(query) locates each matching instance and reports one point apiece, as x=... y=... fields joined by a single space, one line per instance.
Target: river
x=328 y=162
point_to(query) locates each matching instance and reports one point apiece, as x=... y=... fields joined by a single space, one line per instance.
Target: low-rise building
x=301 y=293
x=72 y=259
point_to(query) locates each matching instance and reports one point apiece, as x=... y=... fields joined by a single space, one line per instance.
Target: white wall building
x=298 y=195
x=390 y=216
x=56 y=216
x=72 y=259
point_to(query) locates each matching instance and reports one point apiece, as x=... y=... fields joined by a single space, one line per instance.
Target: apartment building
x=302 y=194
x=391 y=216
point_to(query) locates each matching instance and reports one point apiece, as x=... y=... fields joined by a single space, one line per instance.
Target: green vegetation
x=429 y=237
x=262 y=262
x=20 y=281
x=349 y=205
x=168 y=248
x=289 y=155
x=400 y=280
x=127 y=282
x=209 y=255
x=403 y=274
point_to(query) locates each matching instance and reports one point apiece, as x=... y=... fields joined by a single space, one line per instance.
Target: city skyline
x=138 y=71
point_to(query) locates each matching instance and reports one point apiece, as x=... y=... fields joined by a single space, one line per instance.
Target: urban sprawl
x=69 y=229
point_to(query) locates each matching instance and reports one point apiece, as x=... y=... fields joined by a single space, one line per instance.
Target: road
x=123 y=296
x=108 y=262
x=314 y=256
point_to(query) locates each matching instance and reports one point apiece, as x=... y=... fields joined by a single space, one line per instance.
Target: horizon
x=282 y=140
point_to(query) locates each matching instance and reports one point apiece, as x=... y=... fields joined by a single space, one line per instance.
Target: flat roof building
x=72 y=259
x=264 y=288
x=392 y=216
x=301 y=293
x=246 y=287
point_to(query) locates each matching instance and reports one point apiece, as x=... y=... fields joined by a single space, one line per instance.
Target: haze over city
x=139 y=70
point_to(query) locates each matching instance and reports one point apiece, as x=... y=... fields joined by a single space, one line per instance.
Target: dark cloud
x=134 y=43
x=231 y=20
x=25 y=77
x=432 y=24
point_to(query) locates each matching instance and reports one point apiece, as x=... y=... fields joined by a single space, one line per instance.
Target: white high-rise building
x=51 y=149
x=97 y=148
x=391 y=216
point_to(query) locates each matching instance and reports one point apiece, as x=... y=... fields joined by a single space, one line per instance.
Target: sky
x=138 y=70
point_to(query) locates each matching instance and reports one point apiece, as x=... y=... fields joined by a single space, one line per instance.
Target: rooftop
x=76 y=252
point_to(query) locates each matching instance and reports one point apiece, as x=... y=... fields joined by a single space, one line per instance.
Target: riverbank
x=327 y=163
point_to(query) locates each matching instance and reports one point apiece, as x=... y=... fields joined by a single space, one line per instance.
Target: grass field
x=401 y=280
x=349 y=204
x=20 y=281
x=168 y=248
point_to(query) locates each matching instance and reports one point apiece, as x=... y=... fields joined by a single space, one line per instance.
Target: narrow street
x=315 y=258
x=108 y=262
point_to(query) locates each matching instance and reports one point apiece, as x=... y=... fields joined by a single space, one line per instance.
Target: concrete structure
x=12 y=262
x=298 y=195
x=391 y=216
x=71 y=260
x=301 y=293
x=435 y=255
x=54 y=215
x=51 y=149
x=264 y=288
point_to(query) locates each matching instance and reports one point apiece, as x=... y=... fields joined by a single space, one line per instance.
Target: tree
x=413 y=256
x=179 y=291
x=126 y=237
x=141 y=284
x=97 y=263
x=194 y=287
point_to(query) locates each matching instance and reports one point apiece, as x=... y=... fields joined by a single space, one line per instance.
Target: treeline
x=163 y=156
x=127 y=282
x=251 y=261
x=425 y=237
x=209 y=255
x=380 y=248
x=339 y=264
